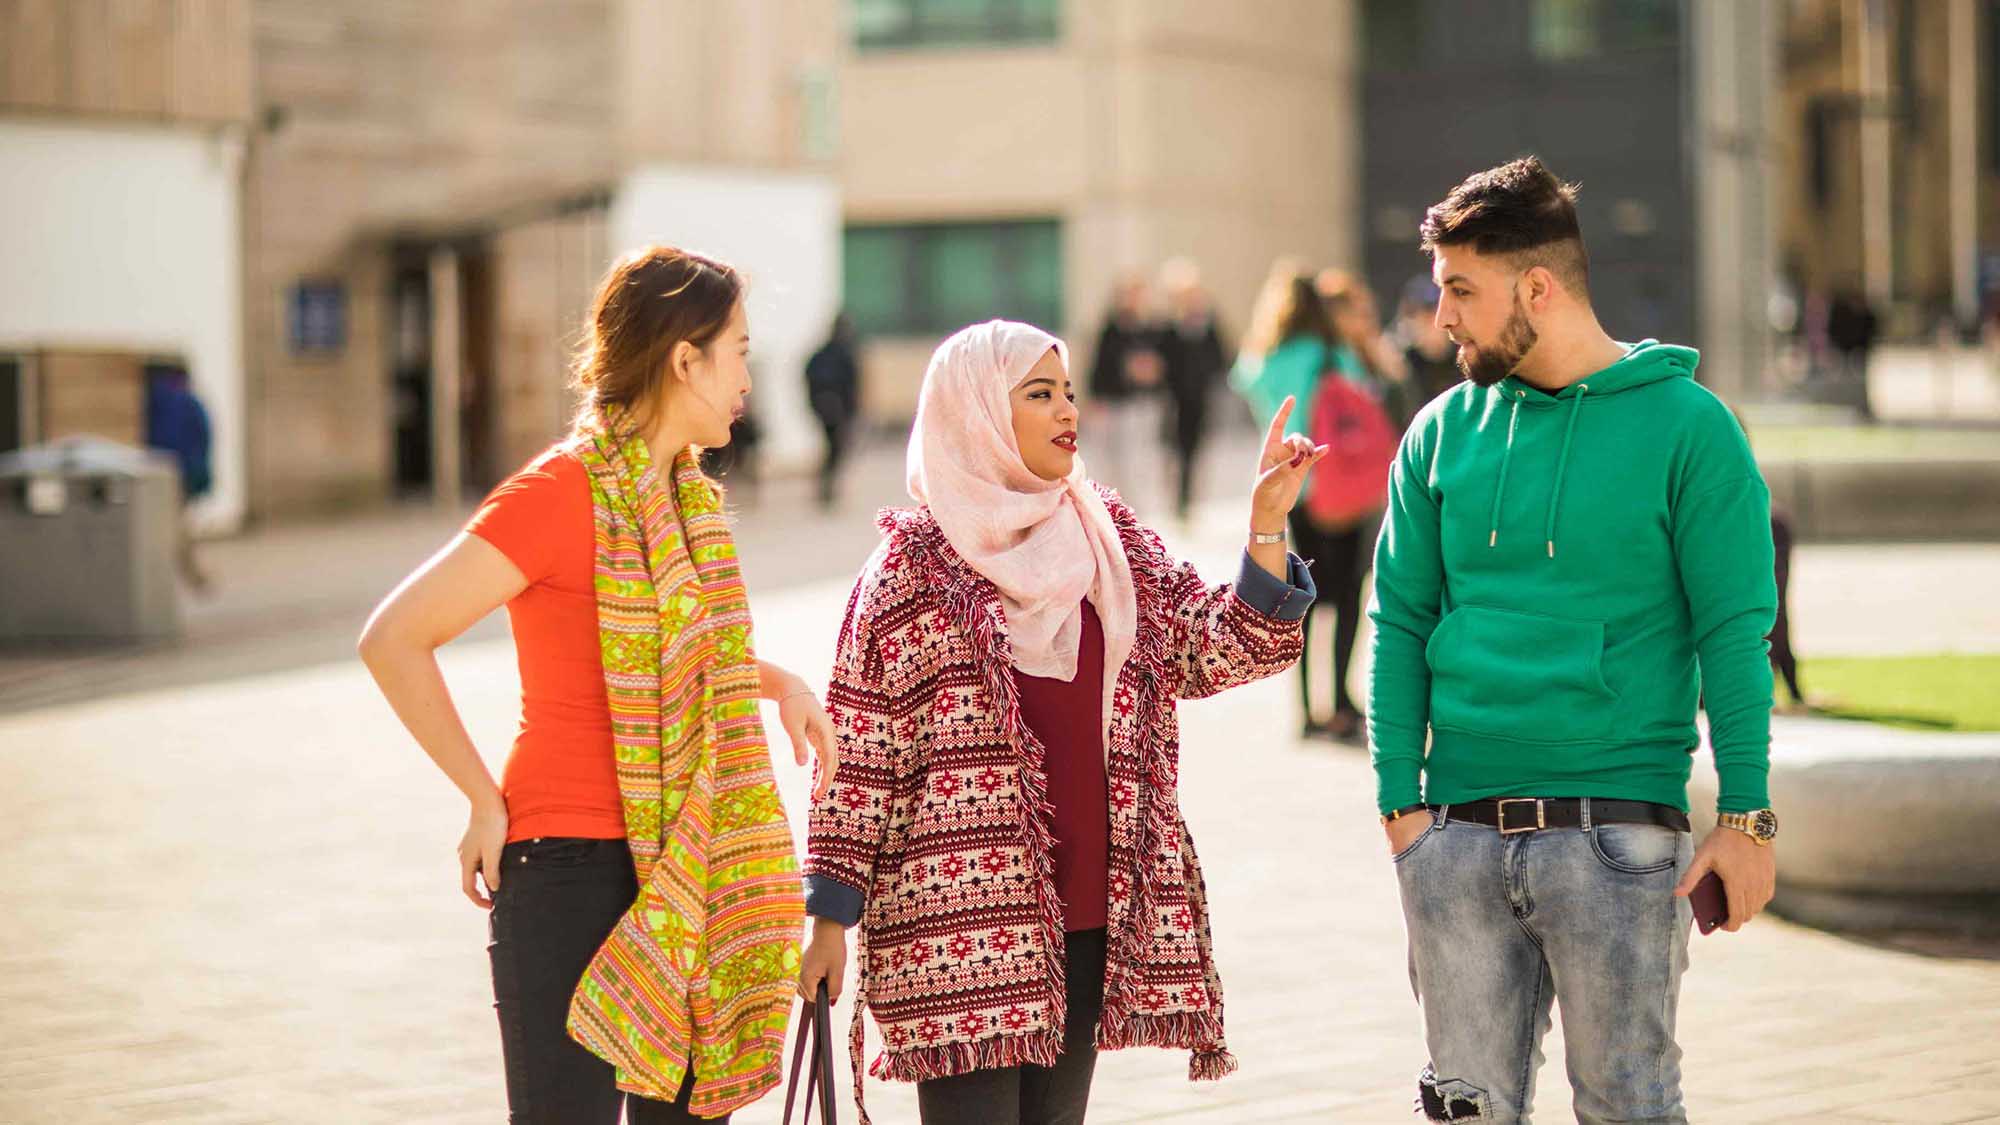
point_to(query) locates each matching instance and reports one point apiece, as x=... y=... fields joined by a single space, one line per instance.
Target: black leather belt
x=1512 y=815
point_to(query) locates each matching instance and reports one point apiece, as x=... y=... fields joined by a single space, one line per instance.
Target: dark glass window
x=1991 y=77
x=316 y=319
x=1392 y=34
x=928 y=23
x=13 y=426
x=927 y=279
x=1564 y=30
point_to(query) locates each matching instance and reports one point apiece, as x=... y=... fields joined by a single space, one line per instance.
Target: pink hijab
x=1046 y=545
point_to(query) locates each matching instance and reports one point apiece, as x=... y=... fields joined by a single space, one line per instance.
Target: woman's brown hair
x=1337 y=288
x=653 y=299
x=1341 y=291
x=1286 y=308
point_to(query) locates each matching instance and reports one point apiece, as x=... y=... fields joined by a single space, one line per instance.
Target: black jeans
x=1339 y=561
x=833 y=422
x=559 y=898
x=1033 y=1095
x=1781 y=626
x=1189 y=422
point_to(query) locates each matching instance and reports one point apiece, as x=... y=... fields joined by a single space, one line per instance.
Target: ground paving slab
x=229 y=893
x=237 y=902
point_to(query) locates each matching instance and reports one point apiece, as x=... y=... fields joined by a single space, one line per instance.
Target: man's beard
x=1487 y=364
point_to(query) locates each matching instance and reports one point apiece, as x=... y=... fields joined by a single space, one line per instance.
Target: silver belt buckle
x=1541 y=815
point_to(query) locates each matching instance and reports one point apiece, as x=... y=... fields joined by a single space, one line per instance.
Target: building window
x=316 y=318
x=1991 y=78
x=13 y=405
x=945 y=23
x=1392 y=34
x=932 y=278
x=1570 y=30
x=1563 y=29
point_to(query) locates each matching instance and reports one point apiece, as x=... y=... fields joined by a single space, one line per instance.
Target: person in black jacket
x=1428 y=353
x=1124 y=391
x=1783 y=659
x=833 y=386
x=1194 y=359
x=1851 y=327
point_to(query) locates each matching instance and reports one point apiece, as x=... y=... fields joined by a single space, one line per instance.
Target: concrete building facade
x=1888 y=164
x=425 y=194
x=1119 y=133
x=374 y=225
x=123 y=129
x=454 y=185
x=371 y=229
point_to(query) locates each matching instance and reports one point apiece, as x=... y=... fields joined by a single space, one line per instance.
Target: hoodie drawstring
x=1500 y=490
x=1562 y=465
x=1562 y=462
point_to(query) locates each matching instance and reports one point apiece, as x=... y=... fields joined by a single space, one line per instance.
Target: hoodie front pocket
x=1503 y=674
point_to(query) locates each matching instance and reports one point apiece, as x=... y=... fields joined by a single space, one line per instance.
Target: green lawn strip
x=1945 y=692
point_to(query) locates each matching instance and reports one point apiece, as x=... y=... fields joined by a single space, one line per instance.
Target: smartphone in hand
x=1711 y=906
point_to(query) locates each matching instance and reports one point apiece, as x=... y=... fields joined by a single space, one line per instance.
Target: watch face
x=1764 y=824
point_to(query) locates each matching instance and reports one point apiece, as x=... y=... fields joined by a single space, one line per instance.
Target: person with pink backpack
x=1365 y=412
x=1294 y=349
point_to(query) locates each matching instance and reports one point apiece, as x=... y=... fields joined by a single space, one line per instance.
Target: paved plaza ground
x=228 y=890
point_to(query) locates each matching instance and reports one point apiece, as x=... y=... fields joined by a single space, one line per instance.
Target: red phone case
x=1711 y=906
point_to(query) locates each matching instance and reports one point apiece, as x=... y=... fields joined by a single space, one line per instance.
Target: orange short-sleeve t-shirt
x=560 y=779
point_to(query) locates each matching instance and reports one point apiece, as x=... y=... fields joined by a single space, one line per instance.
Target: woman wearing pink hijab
x=1004 y=829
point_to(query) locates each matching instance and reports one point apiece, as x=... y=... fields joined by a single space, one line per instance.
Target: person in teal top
x=1285 y=351
x=1577 y=550
x=1292 y=344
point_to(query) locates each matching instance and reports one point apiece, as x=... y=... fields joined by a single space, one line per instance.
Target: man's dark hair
x=1520 y=210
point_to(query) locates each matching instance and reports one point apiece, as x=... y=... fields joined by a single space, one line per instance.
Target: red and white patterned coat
x=939 y=814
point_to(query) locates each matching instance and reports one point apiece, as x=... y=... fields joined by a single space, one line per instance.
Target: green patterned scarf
x=701 y=971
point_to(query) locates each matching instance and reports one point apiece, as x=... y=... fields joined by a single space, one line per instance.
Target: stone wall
x=163 y=60
x=389 y=128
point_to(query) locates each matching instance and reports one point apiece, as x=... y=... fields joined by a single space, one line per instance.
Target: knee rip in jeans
x=1448 y=1099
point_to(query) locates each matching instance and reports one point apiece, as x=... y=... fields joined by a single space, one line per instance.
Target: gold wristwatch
x=1761 y=825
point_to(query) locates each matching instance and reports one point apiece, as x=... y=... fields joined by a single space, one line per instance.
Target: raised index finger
x=1278 y=422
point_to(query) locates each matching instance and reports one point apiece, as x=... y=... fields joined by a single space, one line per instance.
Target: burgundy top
x=1068 y=718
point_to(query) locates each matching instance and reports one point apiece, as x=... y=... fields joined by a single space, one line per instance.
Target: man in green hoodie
x=1577 y=550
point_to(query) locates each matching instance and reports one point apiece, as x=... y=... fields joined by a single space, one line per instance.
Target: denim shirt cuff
x=1286 y=599
x=833 y=900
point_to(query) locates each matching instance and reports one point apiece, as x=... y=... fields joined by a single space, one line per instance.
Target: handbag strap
x=823 y=1057
x=815 y=1023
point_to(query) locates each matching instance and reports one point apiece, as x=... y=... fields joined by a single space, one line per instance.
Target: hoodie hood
x=1645 y=362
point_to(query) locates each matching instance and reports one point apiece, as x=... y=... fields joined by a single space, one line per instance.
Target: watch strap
x=1748 y=824
x=1397 y=814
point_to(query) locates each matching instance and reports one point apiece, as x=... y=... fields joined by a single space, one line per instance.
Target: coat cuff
x=833 y=900
x=1286 y=599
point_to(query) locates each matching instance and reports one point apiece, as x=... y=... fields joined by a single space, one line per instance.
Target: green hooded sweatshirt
x=1559 y=579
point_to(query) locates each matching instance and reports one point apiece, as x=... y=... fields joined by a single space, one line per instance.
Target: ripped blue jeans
x=1501 y=927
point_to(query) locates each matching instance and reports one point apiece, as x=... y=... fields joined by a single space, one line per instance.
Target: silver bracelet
x=1260 y=537
x=789 y=696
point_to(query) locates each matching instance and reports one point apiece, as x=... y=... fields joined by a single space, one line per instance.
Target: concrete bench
x=1879 y=828
x=1889 y=498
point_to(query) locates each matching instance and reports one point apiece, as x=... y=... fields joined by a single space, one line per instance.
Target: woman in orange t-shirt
x=612 y=556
